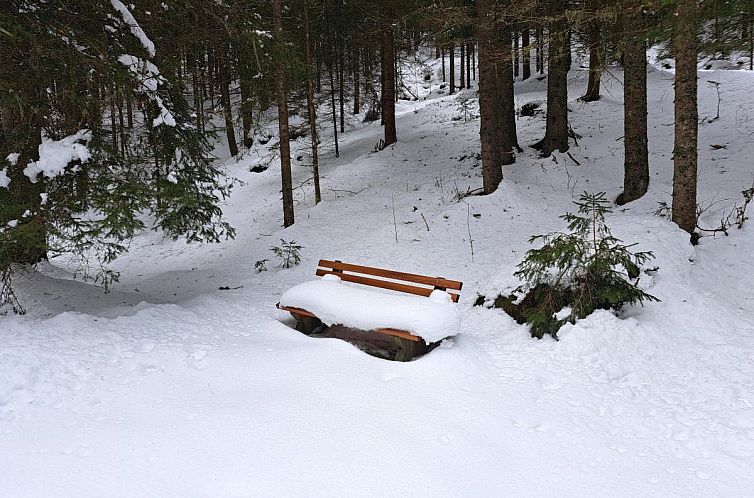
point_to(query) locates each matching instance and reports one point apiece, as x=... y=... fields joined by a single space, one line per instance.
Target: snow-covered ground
x=169 y=386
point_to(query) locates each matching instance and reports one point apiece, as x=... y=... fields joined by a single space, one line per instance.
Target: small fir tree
x=576 y=273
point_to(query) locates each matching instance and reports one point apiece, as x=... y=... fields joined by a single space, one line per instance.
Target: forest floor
x=169 y=386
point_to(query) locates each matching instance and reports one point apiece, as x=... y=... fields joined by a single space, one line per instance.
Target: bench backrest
x=410 y=283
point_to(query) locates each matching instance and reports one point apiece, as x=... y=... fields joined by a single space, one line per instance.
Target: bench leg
x=408 y=349
x=306 y=324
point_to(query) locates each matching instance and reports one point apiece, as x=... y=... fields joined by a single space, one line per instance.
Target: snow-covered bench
x=419 y=317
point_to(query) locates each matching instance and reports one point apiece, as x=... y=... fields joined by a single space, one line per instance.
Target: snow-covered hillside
x=169 y=386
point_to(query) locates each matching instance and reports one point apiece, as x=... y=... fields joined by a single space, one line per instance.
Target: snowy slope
x=171 y=387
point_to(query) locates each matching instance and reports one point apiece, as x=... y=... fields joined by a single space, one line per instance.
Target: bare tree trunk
x=556 y=133
x=281 y=87
x=310 y=103
x=492 y=165
x=595 y=54
x=686 y=115
x=462 y=82
x=468 y=64
x=246 y=111
x=508 y=139
x=473 y=62
x=230 y=132
x=526 y=55
x=516 y=54
x=388 y=67
x=636 y=160
x=452 y=68
x=356 y=73
x=341 y=84
x=443 y=64
x=332 y=103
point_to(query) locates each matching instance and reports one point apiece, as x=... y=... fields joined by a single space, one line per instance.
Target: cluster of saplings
x=576 y=272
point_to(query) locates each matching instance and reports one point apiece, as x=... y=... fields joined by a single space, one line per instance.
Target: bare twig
x=425 y=221
x=395 y=223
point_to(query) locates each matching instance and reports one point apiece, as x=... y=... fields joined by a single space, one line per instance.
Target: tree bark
x=526 y=54
x=636 y=159
x=469 y=62
x=462 y=82
x=505 y=96
x=388 y=68
x=595 y=53
x=230 y=132
x=312 y=113
x=686 y=115
x=492 y=165
x=281 y=87
x=452 y=64
x=356 y=73
x=556 y=132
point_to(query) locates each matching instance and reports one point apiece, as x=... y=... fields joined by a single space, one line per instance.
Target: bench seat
x=335 y=302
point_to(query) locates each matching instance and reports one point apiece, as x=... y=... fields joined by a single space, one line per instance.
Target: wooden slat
x=383 y=284
x=388 y=331
x=395 y=275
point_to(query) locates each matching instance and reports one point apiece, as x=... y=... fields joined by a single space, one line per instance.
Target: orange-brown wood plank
x=395 y=275
x=384 y=284
x=388 y=331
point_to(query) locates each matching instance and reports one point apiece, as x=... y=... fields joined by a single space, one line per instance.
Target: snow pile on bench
x=433 y=318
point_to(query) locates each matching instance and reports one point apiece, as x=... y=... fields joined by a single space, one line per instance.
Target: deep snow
x=170 y=387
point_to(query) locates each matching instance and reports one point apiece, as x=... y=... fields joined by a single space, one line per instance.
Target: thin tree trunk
x=443 y=65
x=636 y=159
x=492 y=166
x=686 y=115
x=468 y=64
x=595 y=53
x=332 y=104
x=310 y=102
x=556 y=132
x=388 y=66
x=452 y=63
x=462 y=82
x=508 y=139
x=526 y=54
x=356 y=73
x=516 y=54
x=224 y=71
x=473 y=61
x=341 y=84
x=281 y=87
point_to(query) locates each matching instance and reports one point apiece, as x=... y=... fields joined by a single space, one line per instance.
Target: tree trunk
x=341 y=85
x=332 y=103
x=281 y=87
x=452 y=62
x=356 y=73
x=516 y=54
x=595 y=54
x=462 y=82
x=388 y=67
x=246 y=111
x=505 y=96
x=492 y=166
x=230 y=132
x=310 y=102
x=686 y=115
x=636 y=160
x=443 y=65
x=556 y=132
x=526 y=54
x=468 y=64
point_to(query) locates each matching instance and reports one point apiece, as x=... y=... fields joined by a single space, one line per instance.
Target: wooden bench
x=408 y=344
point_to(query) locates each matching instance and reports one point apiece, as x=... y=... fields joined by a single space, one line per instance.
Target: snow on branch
x=149 y=79
x=56 y=155
x=136 y=30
